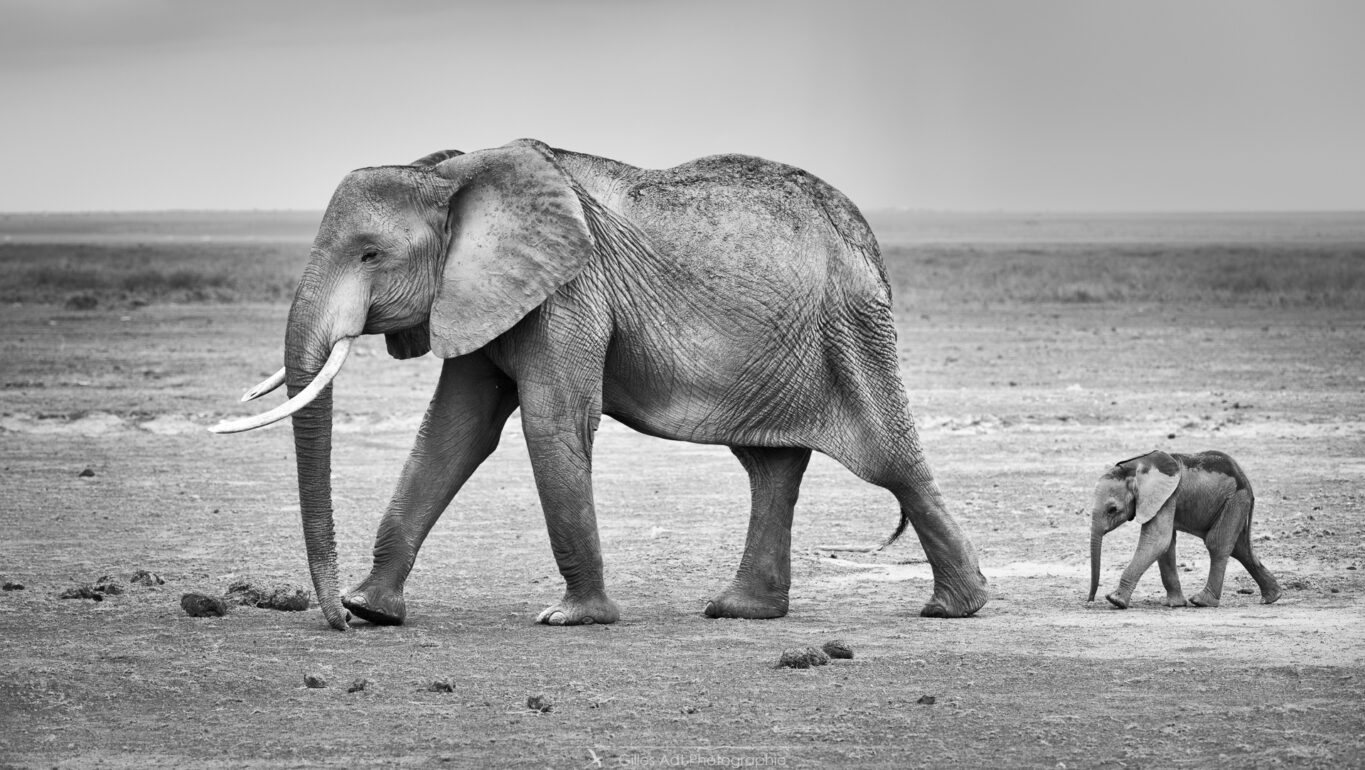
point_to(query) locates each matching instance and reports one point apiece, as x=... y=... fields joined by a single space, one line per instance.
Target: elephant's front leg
x=472 y=403
x=559 y=434
x=1170 y=576
x=1152 y=543
x=759 y=589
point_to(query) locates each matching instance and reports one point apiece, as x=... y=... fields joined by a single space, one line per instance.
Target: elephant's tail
x=900 y=528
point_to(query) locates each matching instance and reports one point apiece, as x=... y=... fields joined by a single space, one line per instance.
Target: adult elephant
x=730 y=300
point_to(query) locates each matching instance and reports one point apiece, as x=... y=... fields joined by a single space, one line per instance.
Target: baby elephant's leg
x=1270 y=588
x=1221 y=539
x=1170 y=576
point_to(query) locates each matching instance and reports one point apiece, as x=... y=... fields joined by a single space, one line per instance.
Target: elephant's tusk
x=305 y=396
x=268 y=384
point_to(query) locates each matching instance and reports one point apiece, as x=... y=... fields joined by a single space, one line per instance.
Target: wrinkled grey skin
x=1204 y=494
x=730 y=300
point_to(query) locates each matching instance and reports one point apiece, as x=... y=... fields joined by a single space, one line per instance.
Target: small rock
x=838 y=649
x=1245 y=591
x=82 y=592
x=358 y=685
x=144 y=578
x=201 y=606
x=926 y=700
x=12 y=586
x=802 y=657
x=314 y=681
x=442 y=685
x=87 y=473
x=538 y=703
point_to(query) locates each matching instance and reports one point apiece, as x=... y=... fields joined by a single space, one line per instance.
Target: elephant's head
x=443 y=255
x=1133 y=490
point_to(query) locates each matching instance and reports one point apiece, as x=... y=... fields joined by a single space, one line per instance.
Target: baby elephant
x=1204 y=494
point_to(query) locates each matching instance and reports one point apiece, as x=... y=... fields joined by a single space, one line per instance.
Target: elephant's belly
x=765 y=414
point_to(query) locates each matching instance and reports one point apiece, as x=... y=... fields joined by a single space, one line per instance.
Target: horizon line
x=891 y=209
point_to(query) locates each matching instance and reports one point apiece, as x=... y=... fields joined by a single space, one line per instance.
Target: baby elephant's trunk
x=1096 y=536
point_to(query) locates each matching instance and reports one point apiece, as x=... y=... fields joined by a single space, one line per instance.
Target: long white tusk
x=268 y=384
x=305 y=396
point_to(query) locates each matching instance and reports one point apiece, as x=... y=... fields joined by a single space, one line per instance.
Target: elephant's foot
x=739 y=601
x=580 y=611
x=1175 y=600
x=1204 y=599
x=1270 y=595
x=377 y=604
x=959 y=603
x=1118 y=601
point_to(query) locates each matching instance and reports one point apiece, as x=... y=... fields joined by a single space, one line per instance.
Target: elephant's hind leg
x=1270 y=588
x=1221 y=540
x=959 y=587
x=875 y=437
x=759 y=589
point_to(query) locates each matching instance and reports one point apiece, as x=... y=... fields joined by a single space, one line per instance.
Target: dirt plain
x=1021 y=405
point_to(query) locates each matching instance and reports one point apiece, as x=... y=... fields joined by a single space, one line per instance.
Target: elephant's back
x=764 y=215
x=1220 y=463
x=733 y=197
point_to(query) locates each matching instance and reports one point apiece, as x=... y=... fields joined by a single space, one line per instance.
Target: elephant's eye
x=369 y=255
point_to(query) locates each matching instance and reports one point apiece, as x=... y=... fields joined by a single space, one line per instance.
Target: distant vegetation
x=1274 y=274
x=88 y=275
x=90 y=261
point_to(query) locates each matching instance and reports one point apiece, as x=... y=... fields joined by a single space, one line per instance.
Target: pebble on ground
x=202 y=606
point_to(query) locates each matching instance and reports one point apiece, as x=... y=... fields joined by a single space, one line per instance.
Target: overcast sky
x=1040 y=105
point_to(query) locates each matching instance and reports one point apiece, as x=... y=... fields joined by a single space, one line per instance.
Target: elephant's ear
x=1156 y=477
x=517 y=233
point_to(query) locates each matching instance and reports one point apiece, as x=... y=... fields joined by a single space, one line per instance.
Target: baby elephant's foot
x=1118 y=601
x=1270 y=593
x=741 y=602
x=1204 y=599
x=377 y=604
x=1175 y=600
x=580 y=611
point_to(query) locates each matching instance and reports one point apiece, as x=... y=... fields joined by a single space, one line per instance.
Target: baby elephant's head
x=1134 y=489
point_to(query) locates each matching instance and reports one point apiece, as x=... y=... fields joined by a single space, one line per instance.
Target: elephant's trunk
x=308 y=342
x=313 y=447
x=1096 y=538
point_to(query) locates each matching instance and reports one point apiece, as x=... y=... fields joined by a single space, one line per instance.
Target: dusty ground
x=1021 y=407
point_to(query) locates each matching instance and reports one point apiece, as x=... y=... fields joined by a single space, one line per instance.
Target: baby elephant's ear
x=517 y=233
x=1156 y=478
